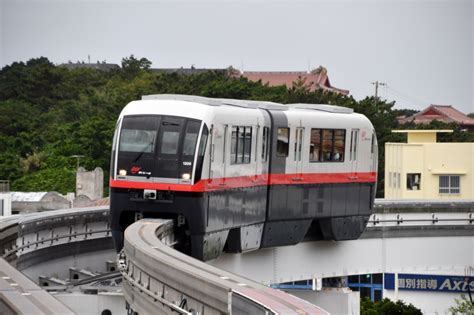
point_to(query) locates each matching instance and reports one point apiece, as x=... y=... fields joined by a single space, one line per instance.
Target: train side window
x=241 y=144
x=233 y=145
x=339 y=145
x=326 y=154
x=372 y=144
x=202 y=144
x=201 y=152
x=283 y=139
x=265 y=144
x=247 y=144
x=327 y=145
x=224 y=147
x=315 y=145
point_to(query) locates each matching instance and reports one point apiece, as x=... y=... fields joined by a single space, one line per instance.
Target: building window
x=327 y=145
x=283 y=139
x=370 y=286
x=413 y=181
x=449 y=184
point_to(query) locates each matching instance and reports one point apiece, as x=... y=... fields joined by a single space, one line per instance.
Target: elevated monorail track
x=158 y=279
x=153 y=272
x=35 y=238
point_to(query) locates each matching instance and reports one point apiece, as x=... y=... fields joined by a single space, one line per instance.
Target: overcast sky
x=422 y=49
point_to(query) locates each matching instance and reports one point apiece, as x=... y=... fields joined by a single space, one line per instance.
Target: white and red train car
x=241 y=175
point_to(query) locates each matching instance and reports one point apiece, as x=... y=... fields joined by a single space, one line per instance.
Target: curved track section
x=39 y=237
x=159 y=280
x=20 y=295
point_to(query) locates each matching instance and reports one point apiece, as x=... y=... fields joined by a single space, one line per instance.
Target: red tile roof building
x=316 y=79
x=443 y=113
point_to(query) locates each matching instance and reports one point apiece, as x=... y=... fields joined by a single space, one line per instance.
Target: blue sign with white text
x=429 y=283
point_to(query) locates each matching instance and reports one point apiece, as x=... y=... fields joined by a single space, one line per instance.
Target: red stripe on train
x=250 y=181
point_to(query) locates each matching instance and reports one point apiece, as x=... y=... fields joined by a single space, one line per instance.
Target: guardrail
x=418 y=205
x=420 y=219
x=21 y=237
x=160 y=279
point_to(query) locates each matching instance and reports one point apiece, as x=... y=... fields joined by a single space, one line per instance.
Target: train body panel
x=242 y=175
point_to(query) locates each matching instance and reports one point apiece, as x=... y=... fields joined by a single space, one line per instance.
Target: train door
x=354 y=146
x=258 y=166
x=211 y=152
x=373 y=152
x=169 y=141
x=299 y=140
x=224 y=151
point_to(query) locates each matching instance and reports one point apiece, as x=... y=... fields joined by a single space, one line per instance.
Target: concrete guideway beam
x=20 y=295
x=183 y=284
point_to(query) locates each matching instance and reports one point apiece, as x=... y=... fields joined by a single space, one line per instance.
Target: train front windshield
x=153 y=146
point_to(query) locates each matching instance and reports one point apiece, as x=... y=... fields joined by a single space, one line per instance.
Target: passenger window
x=247 y=144
x=283 y=139
x=315 y=145
x=327 y=145
x=372 y=144
x=265 y=144
x=339 y=145
x=233 y=145
x=202 y=144
x=241 y=145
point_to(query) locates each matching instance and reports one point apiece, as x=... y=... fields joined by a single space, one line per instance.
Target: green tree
x=132 y=66
x=387 y=307
x=463 y=306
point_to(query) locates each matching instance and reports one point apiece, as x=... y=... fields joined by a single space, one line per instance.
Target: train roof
x=249 y=103
x=199 y=107
x=217 y=101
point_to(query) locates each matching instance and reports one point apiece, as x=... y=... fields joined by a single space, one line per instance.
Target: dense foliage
x=464 y=306
x=387 y=307
x=49 y=113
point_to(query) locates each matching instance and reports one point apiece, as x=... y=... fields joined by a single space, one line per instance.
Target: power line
x=406 y=96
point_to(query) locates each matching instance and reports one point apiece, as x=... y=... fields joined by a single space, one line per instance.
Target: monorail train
x=241 y=175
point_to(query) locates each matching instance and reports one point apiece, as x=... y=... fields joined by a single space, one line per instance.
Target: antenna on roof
x=309 y=66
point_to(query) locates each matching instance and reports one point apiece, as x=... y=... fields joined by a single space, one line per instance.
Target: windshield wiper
x=144 y=149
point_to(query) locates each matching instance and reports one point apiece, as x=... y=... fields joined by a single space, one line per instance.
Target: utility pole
x=78 y=157
x=377 y=83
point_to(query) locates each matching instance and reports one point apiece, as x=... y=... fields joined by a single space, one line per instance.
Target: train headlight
x=186 y=176
x=123 y=172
